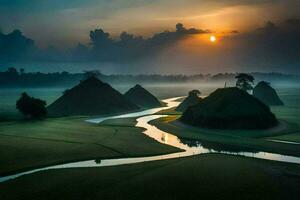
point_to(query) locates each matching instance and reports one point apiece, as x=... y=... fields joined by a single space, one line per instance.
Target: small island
x=230 y=108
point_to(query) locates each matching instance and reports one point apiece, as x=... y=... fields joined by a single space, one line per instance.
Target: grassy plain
x=210 y=176
x=294 y=137
x=27 y=144
x=24 y=145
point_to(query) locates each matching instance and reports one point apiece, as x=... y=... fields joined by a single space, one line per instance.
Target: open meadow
x=209 y=176
x=27 y=145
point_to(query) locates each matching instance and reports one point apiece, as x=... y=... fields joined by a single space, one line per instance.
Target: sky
x=64 y=23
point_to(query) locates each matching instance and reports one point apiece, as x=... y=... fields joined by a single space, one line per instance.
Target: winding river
x=189 y=148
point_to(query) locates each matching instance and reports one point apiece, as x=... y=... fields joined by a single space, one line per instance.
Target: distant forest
x=19 y=78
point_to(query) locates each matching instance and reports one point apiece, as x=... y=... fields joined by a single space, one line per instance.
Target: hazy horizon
x=118 y=68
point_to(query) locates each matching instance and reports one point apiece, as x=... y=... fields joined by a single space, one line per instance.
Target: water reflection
x=170 y=104
x=194 y=147
x=216 y=147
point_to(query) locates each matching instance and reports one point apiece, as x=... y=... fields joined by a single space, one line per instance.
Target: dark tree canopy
x=92 y=73
x=192 y=99
x=194 y=92
x=31 y=107
x=244 y=81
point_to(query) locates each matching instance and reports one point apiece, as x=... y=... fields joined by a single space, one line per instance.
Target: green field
x=29 y=144
x=291 y=110
x=294 y=137
x=25 y=144
x=210 y=176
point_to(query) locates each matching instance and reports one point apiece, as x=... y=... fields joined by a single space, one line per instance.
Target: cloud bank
x=272 y=47
x=101 y=47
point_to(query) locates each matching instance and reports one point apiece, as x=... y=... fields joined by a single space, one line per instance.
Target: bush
x=31 y=107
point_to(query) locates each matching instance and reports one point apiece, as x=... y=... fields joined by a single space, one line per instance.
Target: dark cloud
x=293 y=22
x=131 y=47
x=101 y=47
x=37 y=5
x=15 y=46
x=100 y=39
x=270 y=46
x=268 y=27
x=169 y=37
x=181 y=29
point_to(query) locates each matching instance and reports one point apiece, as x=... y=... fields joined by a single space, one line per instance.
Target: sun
x=212 y=38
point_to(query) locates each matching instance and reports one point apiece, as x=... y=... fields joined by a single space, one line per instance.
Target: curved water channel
x=189 y=147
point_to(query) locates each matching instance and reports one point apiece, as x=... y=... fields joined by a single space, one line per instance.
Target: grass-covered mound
x=141 y=97
x=91 y=97
x=230 y=108
x=191 y=100
x=264 y=92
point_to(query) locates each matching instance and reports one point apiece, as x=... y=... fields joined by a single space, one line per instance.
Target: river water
x=189 y=147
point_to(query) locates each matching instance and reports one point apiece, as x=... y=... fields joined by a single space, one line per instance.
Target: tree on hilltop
x=244 y=81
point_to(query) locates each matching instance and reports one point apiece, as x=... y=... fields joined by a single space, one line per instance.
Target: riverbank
x=207 y=176
x=220 y=140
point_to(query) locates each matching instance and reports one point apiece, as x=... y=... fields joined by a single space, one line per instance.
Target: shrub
x=31 y=107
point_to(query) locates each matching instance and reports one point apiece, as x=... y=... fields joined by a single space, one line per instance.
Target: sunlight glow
x=212 y=38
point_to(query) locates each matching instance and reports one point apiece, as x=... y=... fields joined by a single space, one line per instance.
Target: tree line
x=13 y=77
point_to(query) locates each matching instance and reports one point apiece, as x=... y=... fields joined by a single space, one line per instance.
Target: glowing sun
x=212 y=38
